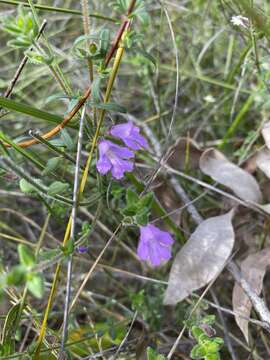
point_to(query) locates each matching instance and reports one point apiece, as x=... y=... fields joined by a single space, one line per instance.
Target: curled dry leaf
x=266 y=133
x=253 y=270
x=201 y=259
x=244 y=185
x=185 y=154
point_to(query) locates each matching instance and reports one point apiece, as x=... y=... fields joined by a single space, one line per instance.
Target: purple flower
x=82 y=249
x=113 y=157
x=130 y=135
x=154 y=245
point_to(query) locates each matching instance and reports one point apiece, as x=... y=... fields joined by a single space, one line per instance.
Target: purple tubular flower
x=154 y=245
x=114 y=157
x=130 y=135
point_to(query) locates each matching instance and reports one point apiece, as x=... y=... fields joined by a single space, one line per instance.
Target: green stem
x=57 y=9
x=158 y=209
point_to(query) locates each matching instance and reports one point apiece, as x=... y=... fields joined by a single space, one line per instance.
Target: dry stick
x=73 y=228
x=22 y=64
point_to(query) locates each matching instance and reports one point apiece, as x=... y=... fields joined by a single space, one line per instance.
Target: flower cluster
x=154 y=244
x=115 y=158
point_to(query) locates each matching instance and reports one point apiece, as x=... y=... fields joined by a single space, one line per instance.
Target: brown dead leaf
x=244 y=185
x=201 y=259
x=168 y=198
x=250 y=164
x=185 y=154
x=253 y=270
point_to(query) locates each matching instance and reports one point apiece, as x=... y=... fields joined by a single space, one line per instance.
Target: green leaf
x=11 y=28
x=25 y=153
x=51 y=165
x=67 y=140
x=204 y=339
x=218 y=340
x=153 y=355
x=8 y=342
x=26 y=255
x=212 y=357
x=45 y=255
x=209 y=319
x=198 y=352
x=212 y=347
x=131 y=197
x=37 y=58
x=129 y=210
x=28 y=188
x=146 y=55
x=96 y=90
x=57 y=187
x=104 y=40
x=20 y=43
x=16 y=276
x=68 y=248
x=29 y=110
x=142 y=218
x=197 y=332
x=146 y=201
x=35 y=284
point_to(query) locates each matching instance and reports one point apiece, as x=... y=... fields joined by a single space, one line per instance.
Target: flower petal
x=120 y=166
x=142 y=250
x=130 y=135
x=121 y=151
x=121 y=131
x=104 y=165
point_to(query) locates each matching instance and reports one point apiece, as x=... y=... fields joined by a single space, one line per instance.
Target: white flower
x=239 y=20
x=209 y=98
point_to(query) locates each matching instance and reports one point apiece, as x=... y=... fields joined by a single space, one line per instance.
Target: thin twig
x=257 y=302
x=22 y=64
x=87 y=277
x=73 y=228
x=114 y=357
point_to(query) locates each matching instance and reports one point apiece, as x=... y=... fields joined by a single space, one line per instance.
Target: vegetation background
x=191 y=79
